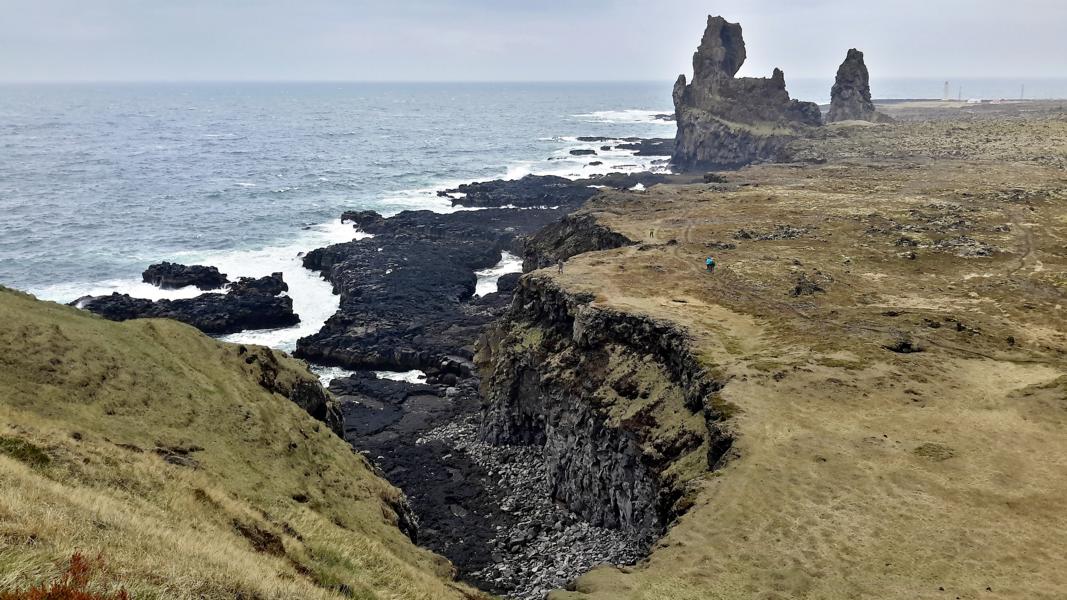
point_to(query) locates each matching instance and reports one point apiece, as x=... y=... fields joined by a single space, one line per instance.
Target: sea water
x=97 y=181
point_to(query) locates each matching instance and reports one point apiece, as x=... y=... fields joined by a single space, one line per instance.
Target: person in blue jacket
x=709 y=264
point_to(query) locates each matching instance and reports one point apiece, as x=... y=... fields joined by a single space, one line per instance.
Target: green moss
x=766 y=366
x=836 y=363
x=528 y=338
x=724 y=408
x=23 y=451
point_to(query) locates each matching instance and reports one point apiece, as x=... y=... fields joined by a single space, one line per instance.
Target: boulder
x=725 y=121
x=171 y=276
x=850 y=98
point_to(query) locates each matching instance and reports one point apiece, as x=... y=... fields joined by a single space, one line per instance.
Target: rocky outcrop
x=570 y=236
x=725 y=121
x=308 y=394
x=171 y=276
x=850 y=98
x=529 y=191
x=250 y=304
x=534 y=191
x=614 y=400
x=407 y=294
x=271 y=285
x=650 y=147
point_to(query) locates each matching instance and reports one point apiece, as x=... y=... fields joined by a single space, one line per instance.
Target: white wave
x=328 y=374
x=313 y=297
x=424 y=199
x=415 y=376
x=628 y=116
x=68 y=292
x=488 y=278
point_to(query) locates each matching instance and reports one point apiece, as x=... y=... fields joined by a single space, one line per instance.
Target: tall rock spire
x=725 y=121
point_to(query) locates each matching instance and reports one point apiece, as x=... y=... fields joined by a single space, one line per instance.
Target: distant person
x=652 y=233
x=559 y=266
x=709 y=264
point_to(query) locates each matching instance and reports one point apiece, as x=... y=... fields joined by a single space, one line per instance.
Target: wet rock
x=529 y=191
x=650 y=147
x=170 y=276
x=271 y=285
x=725 y=121
x=361 y=218
x=407 y=293
x=210 y=313
x=583 y=152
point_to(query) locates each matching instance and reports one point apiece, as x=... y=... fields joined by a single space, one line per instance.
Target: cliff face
x=850 y=98
x=725 y=121
x=616 y=400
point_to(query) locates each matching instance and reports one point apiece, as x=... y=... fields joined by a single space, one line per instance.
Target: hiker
x=652 y=233
x=559 y=265
x=709 y=264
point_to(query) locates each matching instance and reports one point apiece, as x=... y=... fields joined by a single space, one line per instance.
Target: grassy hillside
x=160 y=453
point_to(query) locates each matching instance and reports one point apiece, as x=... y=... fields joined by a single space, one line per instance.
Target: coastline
x=564 y=420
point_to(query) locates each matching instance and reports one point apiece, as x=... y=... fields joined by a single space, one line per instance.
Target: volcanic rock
x=850 y=98
x=171 y=276
x=271 y=285
x=650 y=147
x=210 y=313
x=725 y=121
x=407 y=293
x=250 y=303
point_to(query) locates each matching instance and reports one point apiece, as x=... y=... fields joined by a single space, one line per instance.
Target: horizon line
x=1019 y=78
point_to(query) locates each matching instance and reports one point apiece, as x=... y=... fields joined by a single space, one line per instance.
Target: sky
x=523 y=40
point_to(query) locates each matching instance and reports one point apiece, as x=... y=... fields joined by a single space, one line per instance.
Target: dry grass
x=87 y=407
x=861 y=472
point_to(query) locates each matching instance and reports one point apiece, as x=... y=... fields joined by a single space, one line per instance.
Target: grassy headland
x=181 y=463
x=889 y=314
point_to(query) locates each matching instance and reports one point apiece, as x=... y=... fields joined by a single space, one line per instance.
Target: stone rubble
x=547 y=546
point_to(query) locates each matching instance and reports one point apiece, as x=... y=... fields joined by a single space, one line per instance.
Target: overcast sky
x=467 y=40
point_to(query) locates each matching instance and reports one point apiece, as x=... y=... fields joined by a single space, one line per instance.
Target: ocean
x=97 y=181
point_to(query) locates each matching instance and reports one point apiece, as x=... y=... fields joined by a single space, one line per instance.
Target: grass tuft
x=23 y=451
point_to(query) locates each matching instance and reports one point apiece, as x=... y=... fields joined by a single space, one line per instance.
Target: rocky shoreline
x=491 y=507
x=550 y=434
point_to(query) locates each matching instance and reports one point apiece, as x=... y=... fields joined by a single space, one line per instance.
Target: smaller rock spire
x=850 y=98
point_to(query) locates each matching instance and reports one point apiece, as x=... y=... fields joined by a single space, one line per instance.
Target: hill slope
x=183 y=463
